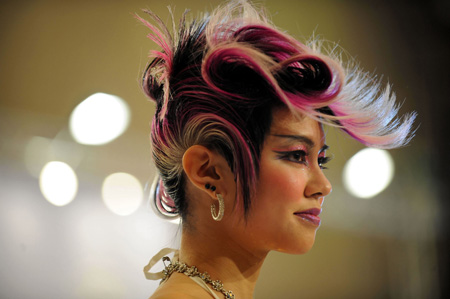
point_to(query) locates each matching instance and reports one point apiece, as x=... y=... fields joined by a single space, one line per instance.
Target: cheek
x=282 y=181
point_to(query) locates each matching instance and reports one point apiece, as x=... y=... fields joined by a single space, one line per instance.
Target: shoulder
x=172 y=294
x=180 y=286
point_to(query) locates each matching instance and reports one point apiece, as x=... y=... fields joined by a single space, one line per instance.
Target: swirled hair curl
x=217 y=79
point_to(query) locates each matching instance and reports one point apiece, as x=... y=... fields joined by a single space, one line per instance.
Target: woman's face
x=291 y=186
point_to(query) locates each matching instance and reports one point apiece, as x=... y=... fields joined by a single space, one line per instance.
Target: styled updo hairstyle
x=217 y=81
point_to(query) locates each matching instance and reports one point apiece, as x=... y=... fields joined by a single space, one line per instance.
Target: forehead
x=284 y=122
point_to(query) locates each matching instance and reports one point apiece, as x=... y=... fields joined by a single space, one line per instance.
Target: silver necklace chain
x=192 y=271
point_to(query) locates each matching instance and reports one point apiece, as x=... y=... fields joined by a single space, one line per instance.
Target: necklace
x=192 y=271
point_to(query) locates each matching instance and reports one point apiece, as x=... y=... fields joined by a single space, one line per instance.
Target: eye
x=322 y=161
x=298 y=156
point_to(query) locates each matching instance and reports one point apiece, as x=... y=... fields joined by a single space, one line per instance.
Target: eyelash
x=322 y=161
x=289 y=157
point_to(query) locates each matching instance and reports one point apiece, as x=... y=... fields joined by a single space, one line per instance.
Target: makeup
x=296 y=154
x=300 y=154
x=311 y=216
x=293 y=148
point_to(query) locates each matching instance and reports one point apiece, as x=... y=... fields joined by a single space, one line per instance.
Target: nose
x=318 y=185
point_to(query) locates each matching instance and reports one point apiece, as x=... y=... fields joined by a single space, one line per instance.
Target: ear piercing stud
x=208 y=186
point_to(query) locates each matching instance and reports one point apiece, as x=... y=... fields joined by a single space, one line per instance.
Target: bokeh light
x=58 y=183
x=368 y=172
x=122 y=193
x=99 y=119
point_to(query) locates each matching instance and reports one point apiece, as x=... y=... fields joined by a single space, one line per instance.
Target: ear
x=204 y=166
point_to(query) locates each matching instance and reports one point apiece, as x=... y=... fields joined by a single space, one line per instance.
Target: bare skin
x=232 y=250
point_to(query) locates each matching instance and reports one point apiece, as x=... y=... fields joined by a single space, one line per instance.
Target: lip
x=311 y=216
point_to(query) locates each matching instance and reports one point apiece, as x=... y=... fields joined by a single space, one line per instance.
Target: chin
x=300 y=247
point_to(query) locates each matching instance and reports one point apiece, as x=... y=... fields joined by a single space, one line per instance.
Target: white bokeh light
x=99 y=119
x=58 y=183
x=368 y=172
x=122 y=193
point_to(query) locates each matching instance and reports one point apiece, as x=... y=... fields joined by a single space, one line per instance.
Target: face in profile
x=284 y=215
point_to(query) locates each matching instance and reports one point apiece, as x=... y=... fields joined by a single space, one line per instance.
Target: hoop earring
x=219 y=215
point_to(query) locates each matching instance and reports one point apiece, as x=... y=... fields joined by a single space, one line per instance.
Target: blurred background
x=74 y=218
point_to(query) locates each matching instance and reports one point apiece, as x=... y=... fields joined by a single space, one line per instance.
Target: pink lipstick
x=311 y=216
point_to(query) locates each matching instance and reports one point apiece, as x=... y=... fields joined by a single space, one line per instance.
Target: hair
x=217 y=80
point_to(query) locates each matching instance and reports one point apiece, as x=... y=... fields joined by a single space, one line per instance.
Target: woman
x=239 y=146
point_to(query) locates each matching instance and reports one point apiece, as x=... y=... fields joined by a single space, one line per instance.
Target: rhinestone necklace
x=192 y=271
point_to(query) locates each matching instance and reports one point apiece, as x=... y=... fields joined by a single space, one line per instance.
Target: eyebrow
x=303 y=139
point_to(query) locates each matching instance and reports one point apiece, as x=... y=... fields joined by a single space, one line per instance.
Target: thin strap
x=204 y=285
x=158 y=275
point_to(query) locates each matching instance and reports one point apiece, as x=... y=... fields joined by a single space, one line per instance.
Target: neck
x=224 y=260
